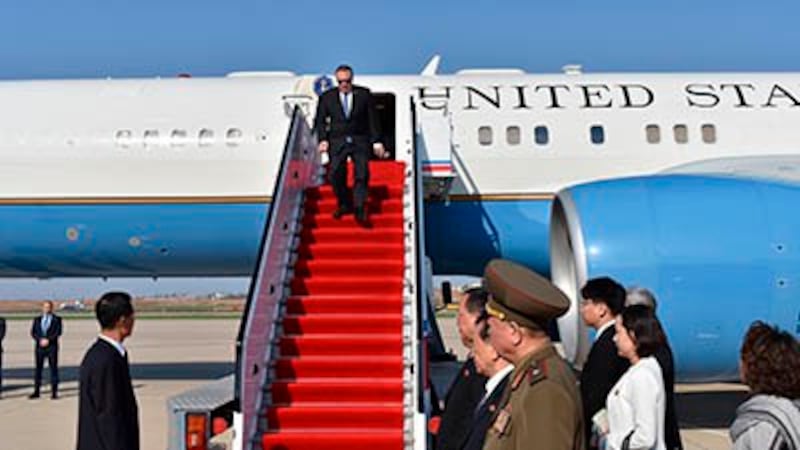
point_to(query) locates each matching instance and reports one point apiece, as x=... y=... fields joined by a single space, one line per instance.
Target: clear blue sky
x=143 y=38
x=91 y=38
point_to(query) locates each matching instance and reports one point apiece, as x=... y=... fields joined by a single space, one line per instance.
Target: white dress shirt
x=604 y=327
x=117 y=345
x=348 y=96
x=636 y=406
x=494 y=380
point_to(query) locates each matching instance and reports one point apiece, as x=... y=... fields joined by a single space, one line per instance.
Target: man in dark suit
x=672 y=435
x=603 y=301
x=2 y=336
x=468 y=387
x=45 y=331
x=490 y=364
x=347 y=126
x=108 y=416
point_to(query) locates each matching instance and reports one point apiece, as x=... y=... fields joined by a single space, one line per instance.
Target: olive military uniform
x=541 y=408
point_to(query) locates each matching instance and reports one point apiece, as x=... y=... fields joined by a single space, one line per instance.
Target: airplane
x=681 y=183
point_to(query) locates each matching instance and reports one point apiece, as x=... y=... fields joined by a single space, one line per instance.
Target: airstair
x=333 y=345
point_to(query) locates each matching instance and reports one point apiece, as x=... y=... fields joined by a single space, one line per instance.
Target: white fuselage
x=172 y=139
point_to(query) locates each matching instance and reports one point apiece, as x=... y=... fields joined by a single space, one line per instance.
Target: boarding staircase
x=333 y=345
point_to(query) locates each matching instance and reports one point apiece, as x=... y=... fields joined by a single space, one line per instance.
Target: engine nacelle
x=717 y=251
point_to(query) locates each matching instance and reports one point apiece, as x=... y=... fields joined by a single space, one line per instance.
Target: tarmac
x=170 y=356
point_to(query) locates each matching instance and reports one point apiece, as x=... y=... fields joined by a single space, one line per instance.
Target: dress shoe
x=34 y=395
x=361 y=215
x=340 y=211
x=54 y=396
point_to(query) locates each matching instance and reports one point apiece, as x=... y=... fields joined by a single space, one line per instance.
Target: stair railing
x=269 y=287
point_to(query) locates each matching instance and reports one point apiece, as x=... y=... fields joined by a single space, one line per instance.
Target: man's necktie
x=45 y=323
x=345 y=106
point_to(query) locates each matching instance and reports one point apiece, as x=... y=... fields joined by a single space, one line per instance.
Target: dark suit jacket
x=483 y=417
x=332 y=126
x=2 y=332
x=53 y=331
x=603 y=368
x=462 y=398
x=108 y=417
x=672 y=435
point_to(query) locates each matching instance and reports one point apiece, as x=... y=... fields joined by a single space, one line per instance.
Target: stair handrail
x=299 y=169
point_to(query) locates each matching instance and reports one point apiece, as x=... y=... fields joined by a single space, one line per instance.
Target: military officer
x=541 y=407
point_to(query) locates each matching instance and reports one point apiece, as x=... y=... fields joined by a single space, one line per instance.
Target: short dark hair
x=476 y=299
x=771 y=361
x=605 y=290
x=111 y=307
x=645 y=328
x=342 y=67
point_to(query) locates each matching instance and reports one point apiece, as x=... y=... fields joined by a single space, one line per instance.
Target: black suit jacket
x=53 y=331
x=483 y=417
x=2 y=332
x=603 y=368
x=672 y=435
x=362 y=126
x=108 y=417
x=463 y=397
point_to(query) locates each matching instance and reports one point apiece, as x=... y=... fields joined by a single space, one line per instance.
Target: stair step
x=354 y=234
x=337 y=323
x=382 y=192
x=334 y=416
x=384 y=285
x=344 y=267
x=353 y=390
x=329 y=205
x=333 y=439
x=341 y=345
x=339 y=366
x=353 y=250
x=340 y=304
x=378 y=221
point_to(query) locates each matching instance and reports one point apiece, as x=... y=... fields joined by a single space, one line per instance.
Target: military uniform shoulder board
x=537 y=372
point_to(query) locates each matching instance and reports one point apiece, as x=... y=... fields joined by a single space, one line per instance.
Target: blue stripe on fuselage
x=222 y=239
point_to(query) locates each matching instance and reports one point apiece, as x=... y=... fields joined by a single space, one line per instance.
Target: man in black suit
x=108 y=416
x=2 y=336
x=603 y=301
x=672 y=434
x=45 y=331
x=490 y=364
x=347 y=126
x=468 y=387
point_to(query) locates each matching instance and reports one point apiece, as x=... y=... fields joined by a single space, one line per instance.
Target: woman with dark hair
x=770 y=366
x=636 y=404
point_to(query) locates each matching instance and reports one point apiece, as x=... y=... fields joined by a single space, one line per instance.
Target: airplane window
x=205 y=137
x=150 y=138
x=541 y=135
x=485 y=135
x=653 y=134
x=681 y=134
x=178 y=138
x=709 y=133
x=597 y=134
x=233 y=137
x=513 y=135
x=124 y=138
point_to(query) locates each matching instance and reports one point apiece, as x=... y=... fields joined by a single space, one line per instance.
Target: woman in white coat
x=635 y=406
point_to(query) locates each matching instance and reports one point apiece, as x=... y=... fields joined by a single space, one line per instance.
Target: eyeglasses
x=345 y=81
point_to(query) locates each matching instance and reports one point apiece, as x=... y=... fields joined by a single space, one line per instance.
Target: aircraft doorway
x=385 y=106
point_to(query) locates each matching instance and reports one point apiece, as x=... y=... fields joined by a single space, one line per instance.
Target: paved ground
x=167 y=357
x=170 y=356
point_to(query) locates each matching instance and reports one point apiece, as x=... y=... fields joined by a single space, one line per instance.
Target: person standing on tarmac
x=541 y=408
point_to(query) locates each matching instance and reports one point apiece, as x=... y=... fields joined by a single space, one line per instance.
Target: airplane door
x=434 y=142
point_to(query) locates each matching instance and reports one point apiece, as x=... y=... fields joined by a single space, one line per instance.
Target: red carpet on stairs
x=338 y=380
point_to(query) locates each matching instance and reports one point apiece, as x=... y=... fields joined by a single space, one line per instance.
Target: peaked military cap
x=521 y=295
